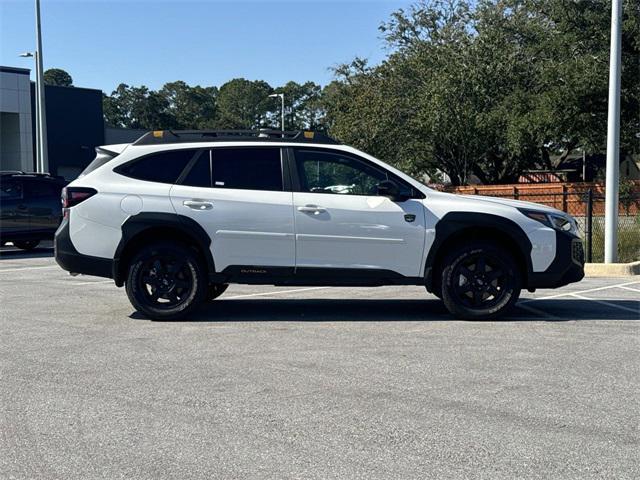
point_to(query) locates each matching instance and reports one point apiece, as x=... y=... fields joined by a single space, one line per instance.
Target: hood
x=512 y=203
x=482 y=203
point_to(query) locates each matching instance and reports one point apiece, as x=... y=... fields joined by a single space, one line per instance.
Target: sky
x=103 y=43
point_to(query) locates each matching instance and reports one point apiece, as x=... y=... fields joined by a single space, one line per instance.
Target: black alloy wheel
x=480 y=282
x=166 y=281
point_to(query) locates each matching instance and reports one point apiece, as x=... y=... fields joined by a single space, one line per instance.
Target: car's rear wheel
x=166 y=281
x=215 y=290
x=27 y=244
x=480 y=281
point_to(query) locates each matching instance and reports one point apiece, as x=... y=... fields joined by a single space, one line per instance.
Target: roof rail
x=29 y=174
x=159 y=137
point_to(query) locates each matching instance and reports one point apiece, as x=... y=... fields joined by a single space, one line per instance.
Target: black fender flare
x=453 y=223
x=138 y=224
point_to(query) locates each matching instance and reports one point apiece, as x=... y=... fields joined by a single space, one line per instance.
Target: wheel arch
x=144 y=228
x=457 y=228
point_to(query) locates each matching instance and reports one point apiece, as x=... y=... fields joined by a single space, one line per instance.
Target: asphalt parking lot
x=314 y=383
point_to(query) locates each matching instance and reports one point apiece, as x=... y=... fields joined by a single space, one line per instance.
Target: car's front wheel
x=27 y=244
x=480 y=281
x=166 y=281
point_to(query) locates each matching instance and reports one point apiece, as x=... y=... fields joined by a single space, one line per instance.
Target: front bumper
x=73 y=261
x=567 y=267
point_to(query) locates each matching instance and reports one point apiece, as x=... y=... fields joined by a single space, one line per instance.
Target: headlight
x=564 y=223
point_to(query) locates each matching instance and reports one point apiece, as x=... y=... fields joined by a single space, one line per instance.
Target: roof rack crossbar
x=158 y=137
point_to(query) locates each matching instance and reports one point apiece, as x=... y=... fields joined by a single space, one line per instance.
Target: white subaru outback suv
x=179 y=215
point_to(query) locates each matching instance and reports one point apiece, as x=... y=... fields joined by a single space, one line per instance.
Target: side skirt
x=312 y=276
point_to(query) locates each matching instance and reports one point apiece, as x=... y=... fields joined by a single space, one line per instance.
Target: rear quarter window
x=162 y=167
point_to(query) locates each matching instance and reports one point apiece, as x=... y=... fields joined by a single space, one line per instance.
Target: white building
x=16 y=139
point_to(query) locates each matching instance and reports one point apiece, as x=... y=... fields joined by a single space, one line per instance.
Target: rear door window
x=10 y=189
x=247 y=168
x=163 y=167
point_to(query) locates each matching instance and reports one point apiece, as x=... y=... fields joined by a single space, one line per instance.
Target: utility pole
x=41 y=116
x=613 y=137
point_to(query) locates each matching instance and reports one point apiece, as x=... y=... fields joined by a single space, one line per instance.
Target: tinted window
x=200 y=173
x=333 y=172
x=164 y=167
x=40 y=188
x=10 y=189
x=247 y=168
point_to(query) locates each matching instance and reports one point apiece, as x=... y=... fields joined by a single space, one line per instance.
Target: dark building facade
x=75 y=126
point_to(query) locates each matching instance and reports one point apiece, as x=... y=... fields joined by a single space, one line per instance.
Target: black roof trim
x=160 y=137
x=20 y=173
x=19 y=71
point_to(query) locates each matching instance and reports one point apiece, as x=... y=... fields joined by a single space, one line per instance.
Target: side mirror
x=393 y=191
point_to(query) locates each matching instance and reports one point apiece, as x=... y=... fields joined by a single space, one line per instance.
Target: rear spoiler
x=113 y=150
x=104 y=154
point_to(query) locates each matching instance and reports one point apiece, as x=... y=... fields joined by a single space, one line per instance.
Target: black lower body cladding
x=73 y=261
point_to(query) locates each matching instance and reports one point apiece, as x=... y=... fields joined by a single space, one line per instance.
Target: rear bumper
x=567 y=267
x=73 y=261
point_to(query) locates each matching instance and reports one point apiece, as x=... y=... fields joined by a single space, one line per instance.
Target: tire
x=480 y=281
x=166 y=281
x=215 y=290
x=27 y=245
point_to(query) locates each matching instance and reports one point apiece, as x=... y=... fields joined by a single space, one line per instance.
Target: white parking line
x=549 y=297
x=92 y=283
x=631 y=289
x=280 y=292
x=608 y=304
x=26 y=268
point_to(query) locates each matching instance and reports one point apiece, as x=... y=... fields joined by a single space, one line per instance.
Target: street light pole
x=613 y=138
x=43 y=164
x=281 y=95
x=34 y=55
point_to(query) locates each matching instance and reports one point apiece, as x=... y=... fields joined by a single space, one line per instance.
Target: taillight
x=72 y=196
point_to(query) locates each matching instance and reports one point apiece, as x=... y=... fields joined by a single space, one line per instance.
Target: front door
x=237 y=195
x=342 y=222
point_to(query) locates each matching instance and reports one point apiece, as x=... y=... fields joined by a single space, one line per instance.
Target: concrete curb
x=611 y=269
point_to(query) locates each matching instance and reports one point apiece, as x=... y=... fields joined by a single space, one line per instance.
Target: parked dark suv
x=30 y=209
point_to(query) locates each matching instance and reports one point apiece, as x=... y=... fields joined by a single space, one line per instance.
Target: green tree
x=58 y=77
x=303 y=107
x=488 y=87
x=137 y=107
x=244 y=104
x=190 y=107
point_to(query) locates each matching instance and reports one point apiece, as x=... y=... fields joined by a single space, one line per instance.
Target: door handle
x=198 y=204
x=314 y=209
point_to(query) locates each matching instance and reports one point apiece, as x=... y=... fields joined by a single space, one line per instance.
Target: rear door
x=42 y=199
x=13 y=210
x=342 y=221
x=238 y=196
